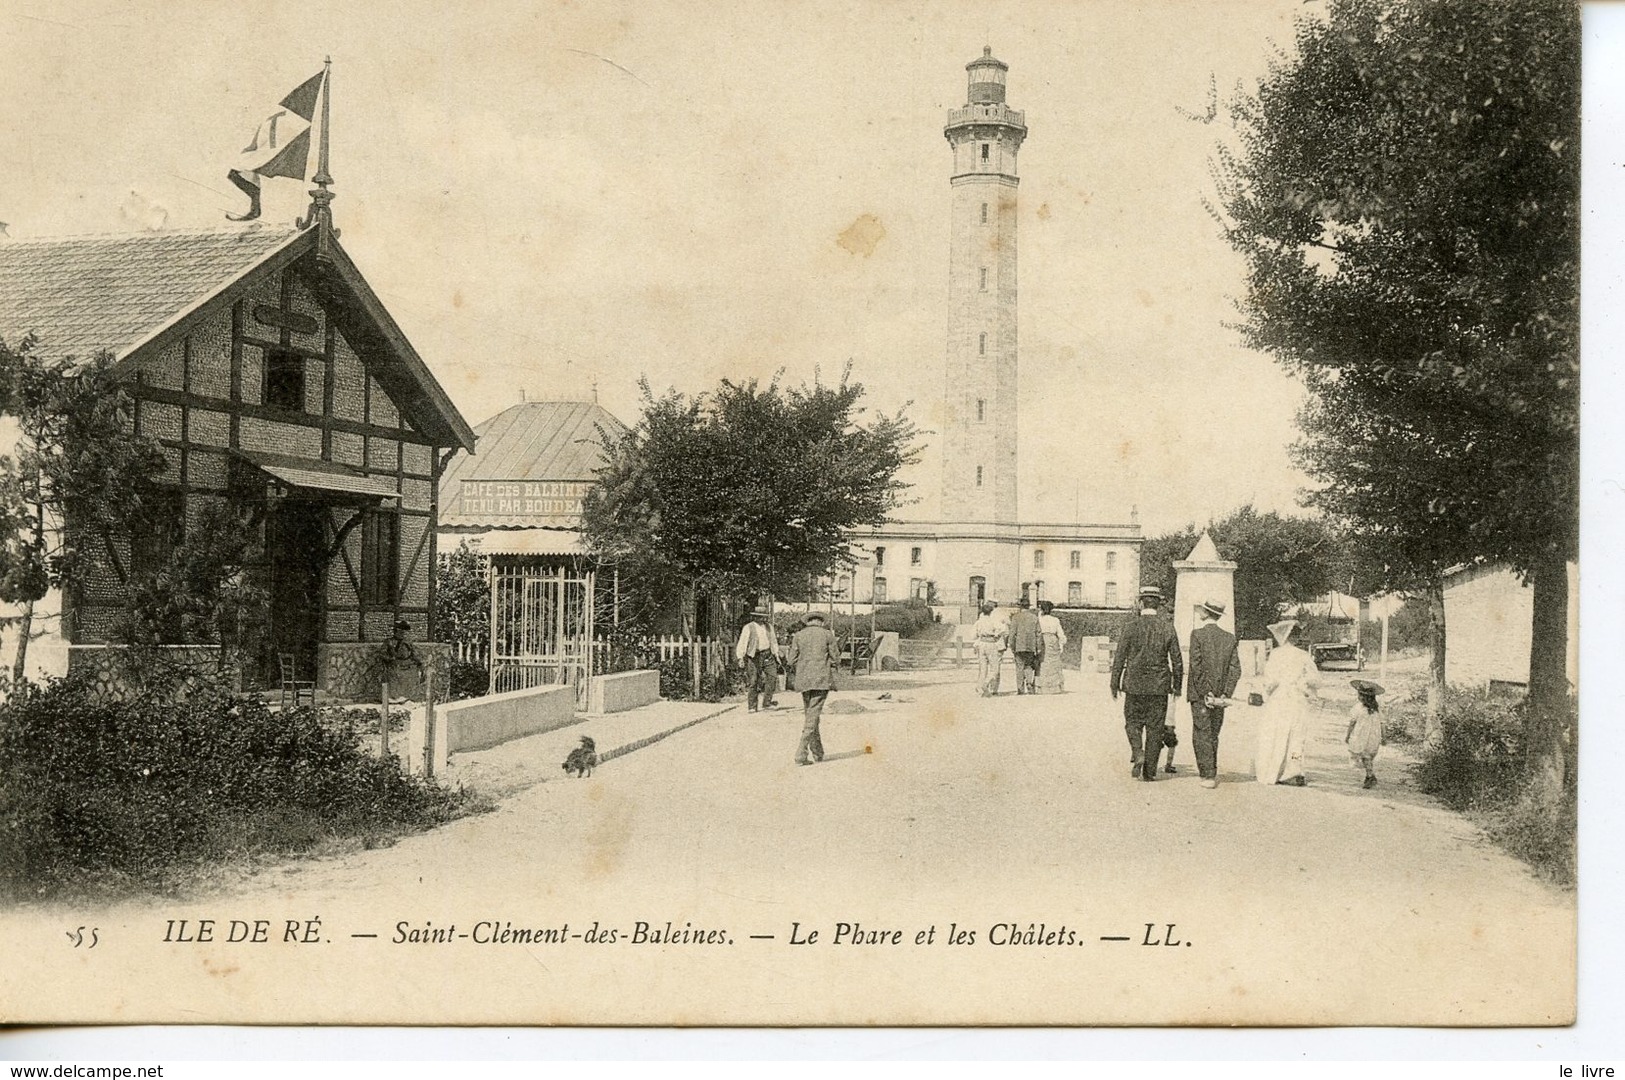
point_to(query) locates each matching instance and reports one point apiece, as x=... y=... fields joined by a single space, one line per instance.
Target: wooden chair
x=292 y=684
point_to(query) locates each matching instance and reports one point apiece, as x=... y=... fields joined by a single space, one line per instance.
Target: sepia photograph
x=546 y=513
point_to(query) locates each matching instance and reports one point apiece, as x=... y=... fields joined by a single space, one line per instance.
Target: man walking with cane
x=1146 y=669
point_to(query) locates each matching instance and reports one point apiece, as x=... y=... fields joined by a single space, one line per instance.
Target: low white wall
x=622 y=690
x=477 y=723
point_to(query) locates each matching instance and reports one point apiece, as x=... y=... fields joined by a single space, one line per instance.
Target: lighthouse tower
x=979 y=432
x=978 y=549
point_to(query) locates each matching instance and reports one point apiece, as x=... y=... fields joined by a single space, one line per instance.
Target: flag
x=280 y=146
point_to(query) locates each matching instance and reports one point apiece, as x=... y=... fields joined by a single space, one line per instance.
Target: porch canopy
x=322 y=479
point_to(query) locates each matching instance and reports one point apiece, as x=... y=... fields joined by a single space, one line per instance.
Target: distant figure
x=1146 y=669
x=758 y=650
x=1284 y=721
x=1027 y=642
x=813 y=656
x=991 y=639
x=405 y=665
x=1364 y=736
x=1214 y=672
x=1049 y=667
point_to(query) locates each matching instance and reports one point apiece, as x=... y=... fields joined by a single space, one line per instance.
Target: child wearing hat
x=1364 y=737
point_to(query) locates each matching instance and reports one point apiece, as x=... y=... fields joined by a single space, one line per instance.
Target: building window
x=1111 y=594
x=981 y=410
x=984 y=213
x=916 y=588
x=1038 y=591
x=1038 y=559
x=978 y=476
x=880 y=556
x=380 y=558
x=1077 y=560
x=1111 y=560
x=1074 y=593
x=914 y=556
x=984 y=279
x=981 y=345
x=843 y=585
x=978 y=589
x=880 y=590
x=984 y=151
x=284 y=380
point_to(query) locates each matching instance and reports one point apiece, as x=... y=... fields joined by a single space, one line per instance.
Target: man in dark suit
x=1027 y=642
x=1215 y=671
x=1146 y=669
x=813 y=656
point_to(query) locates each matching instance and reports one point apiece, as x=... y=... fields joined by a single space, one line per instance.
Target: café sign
x=543 y=501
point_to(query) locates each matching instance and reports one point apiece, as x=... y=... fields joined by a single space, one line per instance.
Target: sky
x=557 y=199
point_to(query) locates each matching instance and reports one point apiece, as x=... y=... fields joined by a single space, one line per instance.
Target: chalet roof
x=537 y=440
x=126 y=293
x=84 y=294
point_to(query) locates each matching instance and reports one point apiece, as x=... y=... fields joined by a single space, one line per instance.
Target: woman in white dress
x=1284 y=720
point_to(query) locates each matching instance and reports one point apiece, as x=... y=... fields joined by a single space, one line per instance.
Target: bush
x=1477 y=768
x=468 y=680
x=97 y=793
x=677 y=681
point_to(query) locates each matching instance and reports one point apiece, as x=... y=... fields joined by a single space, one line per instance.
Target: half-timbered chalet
x=271 y=373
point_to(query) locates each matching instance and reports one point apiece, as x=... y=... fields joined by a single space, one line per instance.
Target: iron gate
x=541 y=627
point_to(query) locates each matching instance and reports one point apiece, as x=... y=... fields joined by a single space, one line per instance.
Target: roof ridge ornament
x=321 y=199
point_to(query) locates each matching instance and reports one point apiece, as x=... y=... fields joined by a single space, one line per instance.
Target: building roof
x=537 y=440
x=84 y=294
x=529 y=542
x=127 y=292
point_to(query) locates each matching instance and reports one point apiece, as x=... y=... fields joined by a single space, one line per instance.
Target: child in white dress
x=1364 y=736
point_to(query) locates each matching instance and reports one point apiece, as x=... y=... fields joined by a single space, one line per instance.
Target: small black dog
x=583 y=759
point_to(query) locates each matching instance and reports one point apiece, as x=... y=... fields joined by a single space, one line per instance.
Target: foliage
x=677 y=681
x=462 y=599
x=1410 y=628
x=96 y=793
x=1279 y=560
x=1405 y=191
x=1477 y=767
x=202 y=592
x=81 y=466
x=746 y=489
x=906 y=619
x=77 y=460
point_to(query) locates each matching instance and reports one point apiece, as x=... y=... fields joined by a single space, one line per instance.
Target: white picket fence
x=714 y=653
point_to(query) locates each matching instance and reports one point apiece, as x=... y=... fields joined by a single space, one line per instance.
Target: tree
x=1405 y=191
x=81 y=482
x=747 y=489
x=1279 y=560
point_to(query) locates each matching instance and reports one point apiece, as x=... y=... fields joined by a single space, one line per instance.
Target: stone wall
x=622 y=690
x=350 y=669
x=477 y=723
x=105 y=665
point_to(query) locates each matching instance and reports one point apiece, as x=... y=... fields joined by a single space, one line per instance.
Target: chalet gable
x=213 y=314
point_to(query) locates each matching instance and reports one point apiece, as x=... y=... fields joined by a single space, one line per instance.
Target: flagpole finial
x=321 y=199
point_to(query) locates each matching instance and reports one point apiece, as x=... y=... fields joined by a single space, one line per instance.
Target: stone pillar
x=1202 y=576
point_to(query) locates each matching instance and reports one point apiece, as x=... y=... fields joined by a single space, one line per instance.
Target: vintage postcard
x=872 y=513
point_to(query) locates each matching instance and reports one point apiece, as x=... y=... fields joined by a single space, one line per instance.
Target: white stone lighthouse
x=979 y=435
x=979 y=548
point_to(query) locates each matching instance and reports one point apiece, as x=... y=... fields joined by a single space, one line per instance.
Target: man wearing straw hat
x=1147 y=669
x=813 y=657
x=758 y=650
x=1215 y=671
